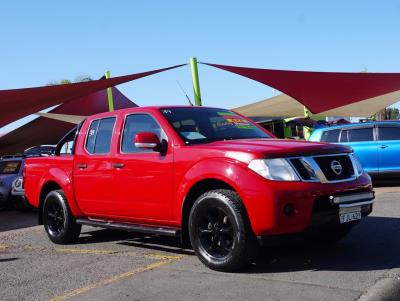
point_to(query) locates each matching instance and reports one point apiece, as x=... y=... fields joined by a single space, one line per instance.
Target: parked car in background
x=18 y=198
x=376 y=144
x=40 y=151
x=10 y=169
x=11 y=183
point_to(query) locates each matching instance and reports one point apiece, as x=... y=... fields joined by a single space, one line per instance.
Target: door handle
x=82 y=166
x=383 y=146
x=118 y=165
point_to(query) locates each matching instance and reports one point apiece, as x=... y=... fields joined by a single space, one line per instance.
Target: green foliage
x=388 y=114
x=79 y=79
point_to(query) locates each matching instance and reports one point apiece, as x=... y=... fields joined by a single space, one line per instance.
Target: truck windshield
x=202 y=125
x=9 y=167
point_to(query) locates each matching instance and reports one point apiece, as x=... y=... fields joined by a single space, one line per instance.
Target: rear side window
x=9 y=167
x=137 y=123
x=357 y=135
x=330 y=136
x=99 y=136
x=389 y=133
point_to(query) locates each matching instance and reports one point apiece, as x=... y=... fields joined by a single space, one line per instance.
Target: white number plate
x=350 y=216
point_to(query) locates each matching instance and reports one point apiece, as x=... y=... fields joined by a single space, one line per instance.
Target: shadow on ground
x=371 y=245
x=8 y=259
x=158 y=243
x=386 y=182
x=12 y=219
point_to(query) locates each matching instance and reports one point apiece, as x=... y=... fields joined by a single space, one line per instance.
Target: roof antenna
x=183 y=91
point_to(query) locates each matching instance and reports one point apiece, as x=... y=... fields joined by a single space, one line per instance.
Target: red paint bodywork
x=152 y=187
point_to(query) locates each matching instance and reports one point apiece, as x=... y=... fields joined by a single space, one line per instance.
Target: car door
x=144 y=181
x=362 y=140
x=94 y=179
x=389 y=148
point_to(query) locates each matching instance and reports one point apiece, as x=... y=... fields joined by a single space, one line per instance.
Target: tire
x=21 y=204
x=220 y=232
x=58 y=221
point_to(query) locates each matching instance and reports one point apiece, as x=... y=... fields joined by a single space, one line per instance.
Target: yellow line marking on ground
x=132 y=273
x=162 y=256
x=84 y=251
x=92 y=251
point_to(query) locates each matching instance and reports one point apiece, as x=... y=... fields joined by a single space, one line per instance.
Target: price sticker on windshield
x=235 y=120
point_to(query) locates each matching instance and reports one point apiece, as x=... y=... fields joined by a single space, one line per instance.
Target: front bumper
x=311 y=203
x=326 y=210
x=4 y=195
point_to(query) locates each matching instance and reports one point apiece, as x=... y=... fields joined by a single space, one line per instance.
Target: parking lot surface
x=111 y=265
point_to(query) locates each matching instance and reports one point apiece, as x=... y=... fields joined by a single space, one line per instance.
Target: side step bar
x=165 y=231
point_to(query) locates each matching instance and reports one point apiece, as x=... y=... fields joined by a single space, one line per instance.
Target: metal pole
x=306 y=130
x=195 y=80
x=109 y=94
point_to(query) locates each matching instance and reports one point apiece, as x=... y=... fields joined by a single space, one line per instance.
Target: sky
x=43 y=41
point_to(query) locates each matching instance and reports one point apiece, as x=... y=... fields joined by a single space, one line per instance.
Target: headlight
x=18 y=183
x=357 y=165
x=274 y=169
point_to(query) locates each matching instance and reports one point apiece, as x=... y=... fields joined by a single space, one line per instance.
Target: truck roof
x=149 y=108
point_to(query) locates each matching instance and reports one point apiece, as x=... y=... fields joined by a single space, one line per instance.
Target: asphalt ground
x=111 y=265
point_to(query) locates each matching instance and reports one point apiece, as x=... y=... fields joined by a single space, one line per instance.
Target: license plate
x=349 y=216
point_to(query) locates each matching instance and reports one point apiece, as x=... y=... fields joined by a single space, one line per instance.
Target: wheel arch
x=46 y=189
x=194 y=192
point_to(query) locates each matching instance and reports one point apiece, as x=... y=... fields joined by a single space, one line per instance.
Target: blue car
x=10 y=169
x=376 y=144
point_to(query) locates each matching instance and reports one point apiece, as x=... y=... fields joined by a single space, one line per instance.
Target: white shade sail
x=286 y=106
x=75 y=119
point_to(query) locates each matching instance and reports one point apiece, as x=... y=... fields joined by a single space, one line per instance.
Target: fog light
x=288 y=210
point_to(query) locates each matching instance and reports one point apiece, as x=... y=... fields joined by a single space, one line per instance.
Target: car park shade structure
x=323 y=91
x=285 y=106
x=49 y=131
x=18 y=103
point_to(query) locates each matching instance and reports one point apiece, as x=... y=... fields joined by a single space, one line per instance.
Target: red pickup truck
x=210 y=176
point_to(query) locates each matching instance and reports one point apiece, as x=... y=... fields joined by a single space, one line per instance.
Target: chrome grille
x=335 y=167
x=325 y=168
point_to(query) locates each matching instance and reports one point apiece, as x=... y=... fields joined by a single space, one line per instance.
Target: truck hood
x=278 y=147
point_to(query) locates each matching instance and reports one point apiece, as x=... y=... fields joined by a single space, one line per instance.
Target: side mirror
x=147 y=140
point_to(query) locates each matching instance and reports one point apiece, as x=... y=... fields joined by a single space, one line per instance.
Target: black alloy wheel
x=58 y=221
x=215 y=232
x=220 y=232
x=55 y=218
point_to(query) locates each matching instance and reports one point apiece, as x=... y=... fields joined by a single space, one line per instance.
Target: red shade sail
x=19 y=103
x=322 y=91
x=48 y=131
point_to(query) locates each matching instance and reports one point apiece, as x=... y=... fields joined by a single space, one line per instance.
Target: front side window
x=99 y=136
x=203 y=125
x=389 y=133
x=357 y=135
x=330 y=136
x=137 y=123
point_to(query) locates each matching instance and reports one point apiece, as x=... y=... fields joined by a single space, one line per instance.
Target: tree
x=388 y=114
x=79 y=79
